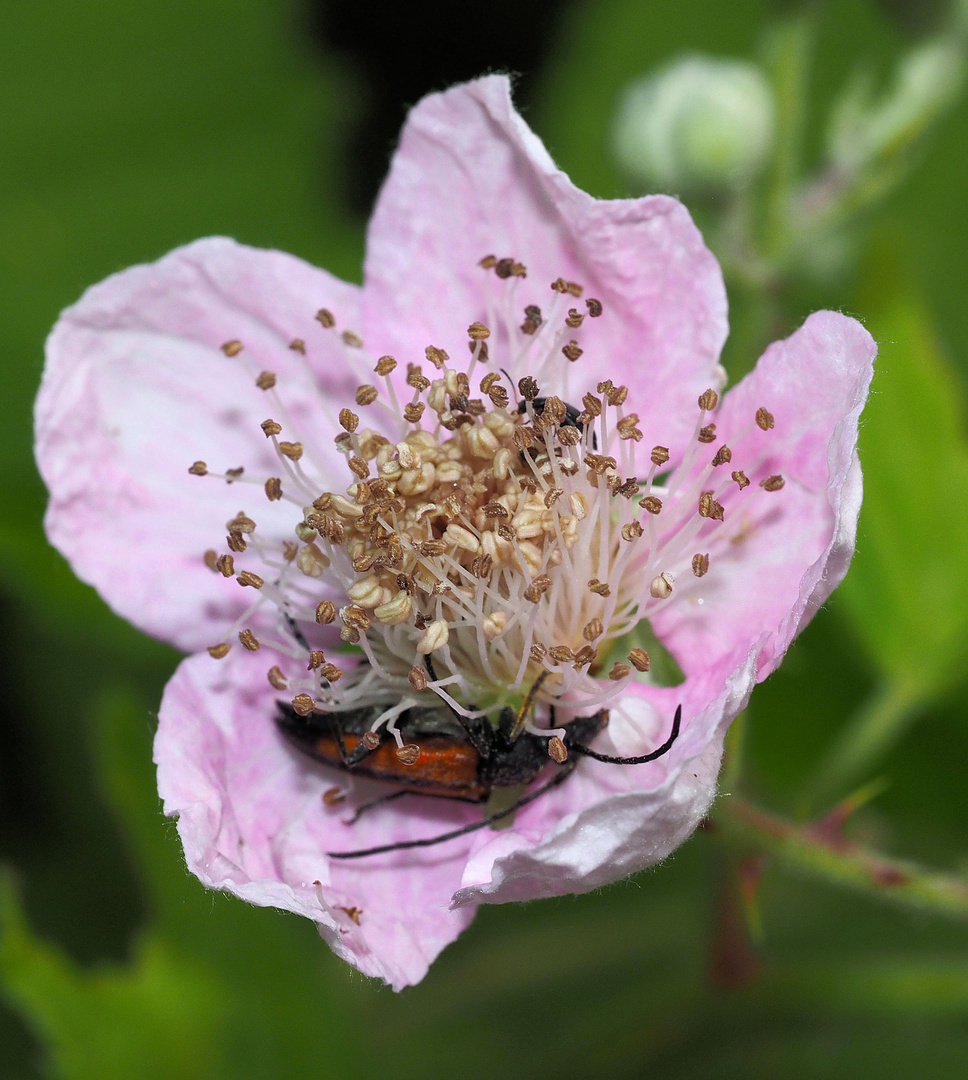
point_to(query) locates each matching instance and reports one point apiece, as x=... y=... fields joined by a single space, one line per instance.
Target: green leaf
x=907 y=591
x=159 y=1017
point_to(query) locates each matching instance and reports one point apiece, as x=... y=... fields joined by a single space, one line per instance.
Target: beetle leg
x=360 y=810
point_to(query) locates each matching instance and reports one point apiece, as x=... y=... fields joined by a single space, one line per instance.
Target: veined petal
x=777 y=555
x=137 y=388
x=470 y=179
x=252 y=821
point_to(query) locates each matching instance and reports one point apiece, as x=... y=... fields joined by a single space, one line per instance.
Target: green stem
x=881 y=722
x=823 y=853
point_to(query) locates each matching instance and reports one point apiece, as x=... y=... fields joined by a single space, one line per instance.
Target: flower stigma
x=492 y=536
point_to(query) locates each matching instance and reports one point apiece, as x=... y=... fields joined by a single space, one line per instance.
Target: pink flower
x=502 y=543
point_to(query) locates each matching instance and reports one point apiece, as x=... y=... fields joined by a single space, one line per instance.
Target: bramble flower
x=501 y=467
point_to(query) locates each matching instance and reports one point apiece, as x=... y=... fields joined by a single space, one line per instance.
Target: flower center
x=481 y=541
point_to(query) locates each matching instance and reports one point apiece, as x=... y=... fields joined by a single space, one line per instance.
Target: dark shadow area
x=403 y=51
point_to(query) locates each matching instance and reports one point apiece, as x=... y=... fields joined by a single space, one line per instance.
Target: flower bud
x=701 y=122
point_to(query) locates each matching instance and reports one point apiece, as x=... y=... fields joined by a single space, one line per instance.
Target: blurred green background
x=128 y=128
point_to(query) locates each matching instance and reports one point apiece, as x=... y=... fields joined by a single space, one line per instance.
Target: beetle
x=461 y=758
x=572 y=416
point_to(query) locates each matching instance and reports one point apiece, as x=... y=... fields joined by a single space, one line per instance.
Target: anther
x=629 y=489
x=707 y=434
x=708 y=400
x=249 y=640
x=353 y=340
x=592 y=404
x=298 y=345
x=503 y=268
x=306 y=532
x=585 y=655
x=573 y=288
x=488 y=262
x=559 y=285
x=276 y=678
x=325 y=318
x=631 y=531
x=593 y=629
x=661 y=587
x=494 y=624
x=396 y=610
x=537 y=652
x=528 y=388
x=723 y=456
x=248 y=578
x=434 y=637
x=478 y=331
x=557 y=750
x=572 y=351
x=366 y=394
x=600 y=588
x=772 y=483
x=216 y=652
x=413 y=411
x=660 y=455
x=562 y=654
x=568 y=436
x=303 y=704
x=334 y=796
x=418 y=677
x=651 y=503
x=225 y=565
x=594 y=307
x=617 y=395
x=291 y=450
x=437 y=357
x=700 y=564
x=574 y=319
x=552 y=496
x=211 y=559
x=266 y=380
x=273 y=489
x=198 y=468
x=709 y=507
x=532 y=319
x=742 y=480
x=499 y=397
x=408 y=753
x=233 y=474
x=639 y=659
x=236 y=541
x=331 y=673
x=348 y=420
x=311 y=561
x=316 y=659
x=270 y=427
x=385 y=365
x=764 y=419
x=370 y=740
x=241 y=523
x=619 y=671
x=232 y=348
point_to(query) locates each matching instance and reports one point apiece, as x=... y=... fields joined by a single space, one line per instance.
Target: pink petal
x=252 y=822
x=778 y=555
x=469 y=179
x=136 y=388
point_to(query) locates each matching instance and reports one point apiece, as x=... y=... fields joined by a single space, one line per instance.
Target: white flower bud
x=700 y=122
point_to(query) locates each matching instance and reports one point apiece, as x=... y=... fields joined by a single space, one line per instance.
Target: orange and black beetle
x=459 y=758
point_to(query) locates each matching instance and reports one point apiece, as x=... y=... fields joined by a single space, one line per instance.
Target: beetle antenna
x=663 y=749
x=561 y=775
x=295 y=631
x=527 y=707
